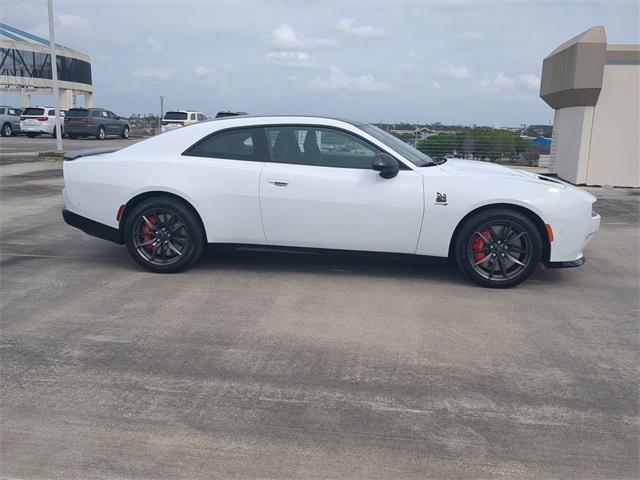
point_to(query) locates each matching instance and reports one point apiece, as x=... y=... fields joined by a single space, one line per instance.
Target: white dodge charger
x=322 y=183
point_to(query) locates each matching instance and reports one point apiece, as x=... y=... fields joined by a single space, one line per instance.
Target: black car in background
x=95 y=122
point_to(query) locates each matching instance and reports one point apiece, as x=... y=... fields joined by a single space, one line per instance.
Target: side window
x=239 y=144
x=52 y=112
x=193 y=116
x=1 y=111
x=112 y=115
x=95 y=113
x=104 y=114
x=319 y=146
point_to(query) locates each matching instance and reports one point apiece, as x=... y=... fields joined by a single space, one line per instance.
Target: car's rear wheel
x=101 y=134
x=7 y=130
x=164 y=235
x=498 y=248
x=125 y=133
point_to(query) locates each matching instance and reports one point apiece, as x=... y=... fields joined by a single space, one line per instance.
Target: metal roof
x=13 y=33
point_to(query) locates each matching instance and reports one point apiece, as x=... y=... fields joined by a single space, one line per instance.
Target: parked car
x=95 y=122
x=279 y=181
x=9 y=120
x=35 y=121
x=180 y=118
x=230 y=114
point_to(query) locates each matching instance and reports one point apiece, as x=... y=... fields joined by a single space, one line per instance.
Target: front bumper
x=91 y=227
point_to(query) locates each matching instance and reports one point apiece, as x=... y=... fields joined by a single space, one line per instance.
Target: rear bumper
x=80 y=130
x=35 y=128
x=91 y=227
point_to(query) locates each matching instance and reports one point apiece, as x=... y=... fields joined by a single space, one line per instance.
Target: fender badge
x=441 y=198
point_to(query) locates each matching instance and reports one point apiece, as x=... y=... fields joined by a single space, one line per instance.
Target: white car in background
x=322 y=183
x=35 y=121
x=180 y=118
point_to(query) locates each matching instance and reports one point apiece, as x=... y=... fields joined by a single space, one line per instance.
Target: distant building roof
x=13 y=33
x=544 y=141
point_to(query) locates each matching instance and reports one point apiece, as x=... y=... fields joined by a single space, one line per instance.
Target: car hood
x=475 y=167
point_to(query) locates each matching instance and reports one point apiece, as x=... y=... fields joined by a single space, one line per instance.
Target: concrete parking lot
x=265 y=365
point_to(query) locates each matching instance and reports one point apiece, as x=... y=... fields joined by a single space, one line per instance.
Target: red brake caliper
x=146 y=229
x=479 y=244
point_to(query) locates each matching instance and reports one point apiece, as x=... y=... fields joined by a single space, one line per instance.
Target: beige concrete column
x=66 y=98
x=25 y=100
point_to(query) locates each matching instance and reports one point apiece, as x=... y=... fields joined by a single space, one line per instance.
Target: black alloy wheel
x=164 y=235
x=499 y=248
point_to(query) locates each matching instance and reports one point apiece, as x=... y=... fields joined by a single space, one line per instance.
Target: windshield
x=33 y=111
x=175 y=116
x=416 y=157
x=77 y=113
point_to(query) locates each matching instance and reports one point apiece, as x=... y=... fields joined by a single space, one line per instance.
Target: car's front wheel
x=125 y=133
x=498 y=248
x=101 y=134
x=164 y=235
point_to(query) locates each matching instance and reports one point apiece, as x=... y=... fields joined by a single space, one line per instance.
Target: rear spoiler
x=87 y=152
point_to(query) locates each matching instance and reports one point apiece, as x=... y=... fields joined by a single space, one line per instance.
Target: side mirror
x=386 y=165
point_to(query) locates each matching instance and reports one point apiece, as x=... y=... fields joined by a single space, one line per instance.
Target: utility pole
x=161 y=113
x=54 y=75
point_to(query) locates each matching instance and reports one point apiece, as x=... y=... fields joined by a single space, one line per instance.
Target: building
x=594 y=88
x=25 y=68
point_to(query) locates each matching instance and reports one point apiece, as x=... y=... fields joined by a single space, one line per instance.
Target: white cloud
x=530 y=81
x=153 y=44
x=347 y=25
x=456 y=72
x=437 y=86
x=285 y=37
x=157 y=74
x=291 y=59
x=340 y=83
x=72 y=21
x=202 y=71
x=502 y=83
x=405 y=68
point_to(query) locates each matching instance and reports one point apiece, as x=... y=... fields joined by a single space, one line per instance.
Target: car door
x=320 y=191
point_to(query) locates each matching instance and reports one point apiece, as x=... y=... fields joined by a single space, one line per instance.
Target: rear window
x=33 y=111
x=175 y=116
x=77 y=113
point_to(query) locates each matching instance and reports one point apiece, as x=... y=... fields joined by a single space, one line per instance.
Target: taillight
x=42 y=119
x=165 y=123
x=23 y=118
x=88 y=121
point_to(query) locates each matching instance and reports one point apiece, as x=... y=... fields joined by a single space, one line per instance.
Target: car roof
x=294 y=117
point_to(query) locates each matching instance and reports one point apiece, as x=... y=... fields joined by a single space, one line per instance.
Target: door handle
x=278 y=183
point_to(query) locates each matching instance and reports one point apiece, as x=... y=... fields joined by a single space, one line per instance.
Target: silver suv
x=9 y=120
x=180 y=118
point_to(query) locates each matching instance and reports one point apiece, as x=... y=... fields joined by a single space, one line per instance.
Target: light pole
x=54 y=75
x=161 y=113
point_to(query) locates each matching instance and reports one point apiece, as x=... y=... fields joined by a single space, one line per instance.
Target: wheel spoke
x=149 y=224
x=515 y=260
x=503 y=268
x=494 y=235
x=148 y=242
x=493 y=269
x=482 y=260
x=485 y=239
x=173 y=248
x=513 y=239
x=506 y=232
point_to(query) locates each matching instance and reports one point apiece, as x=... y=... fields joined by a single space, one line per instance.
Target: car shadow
x=328 y=263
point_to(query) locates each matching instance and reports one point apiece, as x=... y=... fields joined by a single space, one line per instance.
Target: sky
x=456 y=62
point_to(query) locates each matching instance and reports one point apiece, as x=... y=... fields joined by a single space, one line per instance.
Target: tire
x=53 y=133
x=125 y=133
x=158 y=252
x=498 y=248
x=73 y=136
x=7 y=130
x=101 y=134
